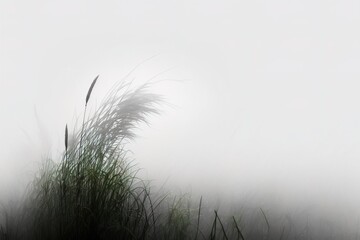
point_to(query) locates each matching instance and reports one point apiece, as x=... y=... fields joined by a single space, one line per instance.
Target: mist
x=261 y=97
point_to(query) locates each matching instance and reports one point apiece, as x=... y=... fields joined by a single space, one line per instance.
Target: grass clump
x=93 y=192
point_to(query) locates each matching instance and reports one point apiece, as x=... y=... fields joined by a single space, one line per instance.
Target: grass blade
x=198 y=220
x=266 y=220
x=221 y=224
x=238 y=229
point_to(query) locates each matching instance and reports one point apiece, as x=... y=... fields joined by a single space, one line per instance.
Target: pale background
x=266 y=97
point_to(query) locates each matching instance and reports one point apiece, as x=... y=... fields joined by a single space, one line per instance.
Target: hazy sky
x=268 y=99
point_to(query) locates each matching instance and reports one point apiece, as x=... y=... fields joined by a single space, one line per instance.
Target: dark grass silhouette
x=93 y=192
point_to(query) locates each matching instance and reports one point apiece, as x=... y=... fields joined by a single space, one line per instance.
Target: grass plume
x=90 y=89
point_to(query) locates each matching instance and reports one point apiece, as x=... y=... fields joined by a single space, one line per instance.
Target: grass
x=93 y=192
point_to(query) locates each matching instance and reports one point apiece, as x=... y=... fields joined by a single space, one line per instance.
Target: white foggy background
x=267 y=101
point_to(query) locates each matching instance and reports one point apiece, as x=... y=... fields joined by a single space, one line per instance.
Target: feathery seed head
x=66 y=137
x=90 y=90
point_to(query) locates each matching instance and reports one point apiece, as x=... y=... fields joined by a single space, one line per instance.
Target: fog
x=261 y=96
